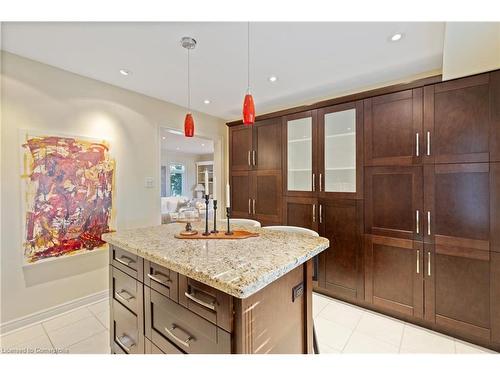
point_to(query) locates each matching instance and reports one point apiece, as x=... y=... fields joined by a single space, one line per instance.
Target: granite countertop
x=237 y=267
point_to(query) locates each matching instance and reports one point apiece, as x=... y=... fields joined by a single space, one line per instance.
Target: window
x=177 y=179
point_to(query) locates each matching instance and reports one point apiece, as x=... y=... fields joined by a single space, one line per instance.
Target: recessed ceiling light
x=177 y=148
x=124 y=72
x=206 y=101
x=272 y=79
x=396 y=37
x=203 y=145
x=163 y=138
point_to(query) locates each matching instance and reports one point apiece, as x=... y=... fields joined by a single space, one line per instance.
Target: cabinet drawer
x=167 y=322
x=126 y=290
x=166 y=348
x=126 y=331
x=208 y=302
x=129 y=263
x=162 y=280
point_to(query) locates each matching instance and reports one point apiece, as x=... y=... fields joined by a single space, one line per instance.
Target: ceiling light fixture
x=163 y=138
x=124 y=72
x=203 y=145
x=175 y=132
x=396 y=37
x=206 y=101
x=248 y=105
x=189 y=44
x=272 y=79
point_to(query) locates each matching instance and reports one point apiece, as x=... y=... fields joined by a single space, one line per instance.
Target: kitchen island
x=172 y=295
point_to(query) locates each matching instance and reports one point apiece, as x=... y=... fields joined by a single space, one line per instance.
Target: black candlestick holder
x=207 y=201
x=228 y=215
x=215 y=217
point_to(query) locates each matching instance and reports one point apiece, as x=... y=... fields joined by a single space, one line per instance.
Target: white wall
x=470 y=48
x=40 y=97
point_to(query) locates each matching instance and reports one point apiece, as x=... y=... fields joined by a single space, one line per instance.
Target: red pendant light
x=189 y=44
x=248 y=105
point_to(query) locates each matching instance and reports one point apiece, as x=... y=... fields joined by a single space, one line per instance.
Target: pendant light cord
x=248 y=56
x=189 y=87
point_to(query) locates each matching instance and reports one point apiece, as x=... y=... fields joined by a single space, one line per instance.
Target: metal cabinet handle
x=120 y=340
x=249 y=206
x=320 y=181
x=253 y=206
x=176 y=338
x=210 y=306
x=320 y=213
x=314 y=182
x=125 y=260
x=428 y=143
x=428 y=223
x=418 y=221
x=418 y=261
x=249 y=163
x=417 y=145
x=125 y=299
x=155 y=277
x=429 y=263
x=253 y=156
x=314 y=213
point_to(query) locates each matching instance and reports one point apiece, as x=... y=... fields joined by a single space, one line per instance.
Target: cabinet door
x=341 y=265
x=457 y=120
x=301 y=212
x=266 y=196
x=241 y=187
x=393 y=201
x=393 y=128
x=240 y=147
x=340 y=162
x=267 y=145
x=495 y=299
x=300 y=150
x=394 y=275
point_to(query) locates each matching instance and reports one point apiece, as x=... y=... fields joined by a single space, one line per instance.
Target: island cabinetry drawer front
x=126 y=332
x=127 y=262
x=169 y=323
x=126 y=290
x=162 y=280
x=208 y=302
x=168 y=348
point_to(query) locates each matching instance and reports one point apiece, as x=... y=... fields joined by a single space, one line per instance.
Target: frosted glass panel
x=300 y=154
x=340 y=151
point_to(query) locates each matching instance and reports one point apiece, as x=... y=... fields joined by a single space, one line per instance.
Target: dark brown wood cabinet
x=341 y=265
x=241 y=194
x=301 y=212
x=394 y=275
x=393 y=128
x=393 y=202
x=241 y=150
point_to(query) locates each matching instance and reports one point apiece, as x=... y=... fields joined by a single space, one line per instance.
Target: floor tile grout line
x=99 y=320
x=48 y=337
x=350 y=336
x=87 y=338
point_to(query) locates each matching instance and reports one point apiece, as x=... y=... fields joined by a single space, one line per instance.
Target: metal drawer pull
x=125 y=342
x=210 y=306
x=418 y=221
x=127 y=298
x=249 y=206
x=254 y=206
x=428 y=223
x=249 y=163
x=429 y=263
x=428 y=143
x=254 y=158
x=320 y=181
x=314 y=213
x=158 y=280
x=125 y=260
x=418 y=261
x=320 y=213
x=314 y=182
x=179 y=340
x=417 y=145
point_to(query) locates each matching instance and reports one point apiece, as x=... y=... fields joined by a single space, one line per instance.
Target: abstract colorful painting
x=68 y=195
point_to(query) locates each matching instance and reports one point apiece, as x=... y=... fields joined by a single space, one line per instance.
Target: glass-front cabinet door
x=300 y=143
x=340 y=164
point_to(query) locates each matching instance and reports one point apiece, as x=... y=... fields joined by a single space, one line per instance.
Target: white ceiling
x=172 y=140
x=311 y=60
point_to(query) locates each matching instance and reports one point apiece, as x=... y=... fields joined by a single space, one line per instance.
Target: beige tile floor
x=341 y=328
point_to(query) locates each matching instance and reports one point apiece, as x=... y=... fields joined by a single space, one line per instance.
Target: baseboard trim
x=51 y=312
